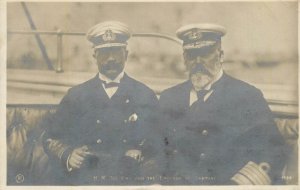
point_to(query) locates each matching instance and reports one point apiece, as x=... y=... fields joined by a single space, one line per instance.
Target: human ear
x=185 y=61
x=126 y=54
x=221 y=56
x=94 y=54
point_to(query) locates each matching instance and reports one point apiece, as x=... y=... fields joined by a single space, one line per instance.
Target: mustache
x=111 y=65
x=199 y=69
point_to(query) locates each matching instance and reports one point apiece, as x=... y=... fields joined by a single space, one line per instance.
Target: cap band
x=110 y=45
x=199 y=44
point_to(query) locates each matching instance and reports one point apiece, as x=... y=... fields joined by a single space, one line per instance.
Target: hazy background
x=260 y=44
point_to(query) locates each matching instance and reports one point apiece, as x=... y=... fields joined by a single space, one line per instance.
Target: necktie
x=110 y=84
x=201 y=94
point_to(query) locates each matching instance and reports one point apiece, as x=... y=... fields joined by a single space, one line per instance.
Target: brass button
x=205 y=132
x=98 y=121
x=99 y=141
x=202 y=156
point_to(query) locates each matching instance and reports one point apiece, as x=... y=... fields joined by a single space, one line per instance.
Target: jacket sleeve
x=166 y=122
x=57 y=139
x=152 y=148
x=262 y=148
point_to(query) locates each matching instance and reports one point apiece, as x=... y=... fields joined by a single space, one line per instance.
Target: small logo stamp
x=20 y=178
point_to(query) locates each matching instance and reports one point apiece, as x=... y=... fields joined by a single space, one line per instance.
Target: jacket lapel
x=98 y=89
x=123 y=89
x=183 y=101
x=219 y=87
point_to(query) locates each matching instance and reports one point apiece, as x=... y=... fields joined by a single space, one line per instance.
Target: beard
x=200 y=80
x=203 y=73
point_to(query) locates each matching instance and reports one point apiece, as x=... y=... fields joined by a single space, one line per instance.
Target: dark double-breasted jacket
x=109 y=128
x=210 y=142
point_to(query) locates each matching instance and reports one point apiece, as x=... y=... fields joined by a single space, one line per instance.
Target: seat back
x=27 y=162
x=26 y=157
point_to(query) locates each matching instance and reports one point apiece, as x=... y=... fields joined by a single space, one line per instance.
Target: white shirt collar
x=108 y=80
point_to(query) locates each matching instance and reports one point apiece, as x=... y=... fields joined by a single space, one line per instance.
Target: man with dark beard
x=219 y=130
x=103 y=131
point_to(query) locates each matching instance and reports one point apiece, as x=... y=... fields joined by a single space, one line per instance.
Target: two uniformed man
x=218 y=130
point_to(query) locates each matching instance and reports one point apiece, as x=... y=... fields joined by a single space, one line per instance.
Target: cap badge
x=194 y=35
x=109 y=36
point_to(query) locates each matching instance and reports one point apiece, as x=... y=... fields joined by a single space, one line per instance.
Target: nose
x=200 y=60
x=198 y=67
x=196 y=61
x=111 y=57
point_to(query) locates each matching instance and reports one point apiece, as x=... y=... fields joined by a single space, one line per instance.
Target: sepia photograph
x=151 y=93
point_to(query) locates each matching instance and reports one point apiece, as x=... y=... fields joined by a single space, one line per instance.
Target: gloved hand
x=78 y=156
x=135 y=154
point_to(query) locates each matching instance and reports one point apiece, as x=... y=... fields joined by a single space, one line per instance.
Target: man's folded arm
x=56 y=137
